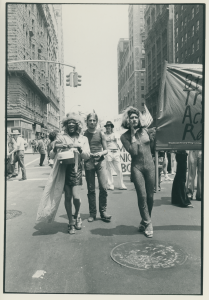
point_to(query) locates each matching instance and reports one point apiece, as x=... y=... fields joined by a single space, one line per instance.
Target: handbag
x=66 y=157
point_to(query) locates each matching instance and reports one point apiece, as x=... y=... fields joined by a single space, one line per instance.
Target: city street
x=82 y=263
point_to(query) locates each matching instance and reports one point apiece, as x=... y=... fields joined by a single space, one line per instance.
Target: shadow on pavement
x=119 y=230
x=53 y=228
x=163 y=201
x=132 y=230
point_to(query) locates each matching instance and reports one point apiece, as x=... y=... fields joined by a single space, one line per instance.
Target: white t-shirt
x=20 y=143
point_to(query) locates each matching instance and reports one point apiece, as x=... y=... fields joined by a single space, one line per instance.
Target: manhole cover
x=145 y=256
x=12 y=214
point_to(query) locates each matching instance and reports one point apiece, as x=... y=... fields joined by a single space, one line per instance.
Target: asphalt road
x=81 y=263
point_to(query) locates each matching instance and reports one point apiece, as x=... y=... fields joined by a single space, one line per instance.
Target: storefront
x=28 y=130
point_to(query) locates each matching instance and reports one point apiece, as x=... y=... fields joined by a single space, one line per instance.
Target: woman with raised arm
x=137 y=142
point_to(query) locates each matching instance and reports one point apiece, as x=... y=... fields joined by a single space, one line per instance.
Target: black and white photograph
x=104 y=148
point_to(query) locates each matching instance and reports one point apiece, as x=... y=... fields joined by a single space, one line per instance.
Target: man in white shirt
x=19 y=153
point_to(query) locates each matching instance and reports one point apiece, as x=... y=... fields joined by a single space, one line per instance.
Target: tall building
x=188 y=28
x=159 y=46
x=61 y=91
x=33 y=88
x=131 y=62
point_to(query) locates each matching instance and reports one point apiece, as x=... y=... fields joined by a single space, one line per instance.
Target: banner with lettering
x=179 y=122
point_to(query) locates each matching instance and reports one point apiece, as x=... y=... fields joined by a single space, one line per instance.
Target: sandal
x=71 y=229
x=149 y=231
x=78 y=223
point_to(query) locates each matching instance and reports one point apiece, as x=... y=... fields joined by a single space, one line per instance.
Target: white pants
x=194 y=168
x=113 y=164
x=173 y=163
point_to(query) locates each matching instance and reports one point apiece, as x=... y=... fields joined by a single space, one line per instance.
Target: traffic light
x=77 y=79
x=69 y=79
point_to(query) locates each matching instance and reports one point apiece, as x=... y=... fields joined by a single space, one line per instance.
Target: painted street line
x=31 y=162
x=39 y=274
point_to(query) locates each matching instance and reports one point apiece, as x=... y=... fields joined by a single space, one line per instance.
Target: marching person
x=34 y=145
x=137 y=142
x=113 y=159
x=10 y=155
x=19 y=153
x=194 y=167
x=50 y=146
x=96 y=165
x=42 y=149
x=65 y=175
x=165 y=168
x=178 y=195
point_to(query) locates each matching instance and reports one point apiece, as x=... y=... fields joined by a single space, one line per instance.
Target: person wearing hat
x=113 y=159
x=42 y=149
x=10 y=154
x=19 y=153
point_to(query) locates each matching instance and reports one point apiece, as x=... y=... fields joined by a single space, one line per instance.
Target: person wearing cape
x=65 y=176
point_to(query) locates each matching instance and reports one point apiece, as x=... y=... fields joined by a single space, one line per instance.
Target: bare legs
x=72 y=192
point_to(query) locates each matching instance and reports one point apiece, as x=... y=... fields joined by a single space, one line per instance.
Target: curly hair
x=52 y=135
x=73 y=116
x=126 y=116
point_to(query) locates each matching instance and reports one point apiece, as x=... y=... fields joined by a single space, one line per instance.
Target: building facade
x=131 y=62
x=159 y=47
x=61 y=89
x=33 y=100
x=188 y=29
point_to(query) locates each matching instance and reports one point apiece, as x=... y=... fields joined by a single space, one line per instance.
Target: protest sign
x=179 y=122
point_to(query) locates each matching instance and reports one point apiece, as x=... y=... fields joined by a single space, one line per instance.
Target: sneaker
x=71 y=229
x=91 y=218
x=110 y=188
x=123 y=188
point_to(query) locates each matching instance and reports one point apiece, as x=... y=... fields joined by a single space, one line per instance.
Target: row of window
x=194 y=8
x=193 y=45
x=129 y=70
x=192 y=29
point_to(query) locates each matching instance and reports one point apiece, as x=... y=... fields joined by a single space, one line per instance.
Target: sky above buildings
x=91 y=34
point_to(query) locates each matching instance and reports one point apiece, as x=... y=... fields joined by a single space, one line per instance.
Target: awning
x=179 y=121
